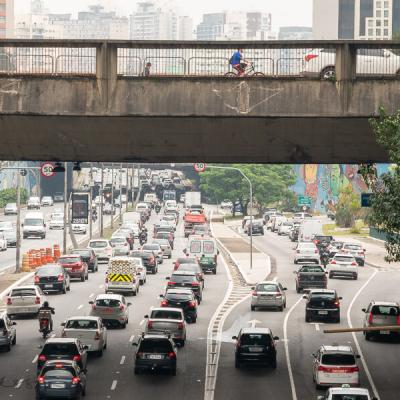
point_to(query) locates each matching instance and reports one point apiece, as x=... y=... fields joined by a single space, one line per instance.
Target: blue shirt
x=236 y=57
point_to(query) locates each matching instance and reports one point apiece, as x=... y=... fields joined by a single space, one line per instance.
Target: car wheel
x=330 y=276
x=307 y=317
x=8 y=347
x=170 y=256
x=134 y=292
x=182 y=342
x=100 y=352
x=69 y=287
x=105 y=346
x=337 y=320
x=123 y=324
x=368 y=336
x=14 y=341
x=297 y=289
x=295 y=261
x=194 y=319
x=281 y=308
x=87 y=275
x=319 y=387
x=214 y=272
x=83 y=278
x=237 y=363
x=328 y=73
x=355 y=277
x=362 y=263
x=253 y=308
x=136 y=371
x=84 y=391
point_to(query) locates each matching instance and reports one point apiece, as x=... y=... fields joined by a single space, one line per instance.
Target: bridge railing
x=340 y=60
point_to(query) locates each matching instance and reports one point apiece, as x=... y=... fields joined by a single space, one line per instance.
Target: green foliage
x=348 y=207
x=270 y=183
x=10 y=196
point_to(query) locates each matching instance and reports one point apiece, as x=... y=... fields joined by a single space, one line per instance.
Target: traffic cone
x=31 y=260
x=38 y=258
x=49 y=256
x=57 y=252
x=25 y=263
x=43 y=259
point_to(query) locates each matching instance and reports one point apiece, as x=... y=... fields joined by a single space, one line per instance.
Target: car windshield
x=322 y=296
x=165 y=314
x=98 y=244
x=46 y=271
x=385 y=310
x=311 y=268
x=161 y=242
x=11 y=205
x=58 y=374
x=350 y=397
x=343 y=258
x=306 y=246
x=190 y=267
x=179 y=296
x=81 y=324
x=338 y=359
x=151 y=247
x=267 y=287
x=107 y=303
x=56 y=349
x=155 y=346
x=188 y=260
x=252 y=339
x=83 y=253
x=23 y=292
x=141 y=255
x=33 y=222
x=118 y=240
x=352 y=247
x=69 y=260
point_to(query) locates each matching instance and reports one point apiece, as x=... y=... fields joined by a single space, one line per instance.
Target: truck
x=121 y=276
x=310 y=277
x=309 y=228
x=34 y=225
x=192 y=198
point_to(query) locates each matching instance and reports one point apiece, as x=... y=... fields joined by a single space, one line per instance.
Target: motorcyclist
x=143 y=235
x=46 y=307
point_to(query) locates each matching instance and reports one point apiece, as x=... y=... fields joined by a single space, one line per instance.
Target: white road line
x=316 y=326
x=142 y=322
x=101 y=286
x=91 y=295
x=122 y=360
x=80 y=306
x=114 y=385
x=131 y=338
x=275 y=279
x=364 y=363
x=18 y=385
x=285 y=337
x=35 y=359
x=53 y=335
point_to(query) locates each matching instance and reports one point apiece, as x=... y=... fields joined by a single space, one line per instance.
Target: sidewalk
x=239 y=250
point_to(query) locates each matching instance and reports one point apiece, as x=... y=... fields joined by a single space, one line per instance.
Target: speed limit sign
x=47 y=170
x=199 y=167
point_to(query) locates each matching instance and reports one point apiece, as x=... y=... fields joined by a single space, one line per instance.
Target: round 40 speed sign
x=199 y=167
x=47 y=170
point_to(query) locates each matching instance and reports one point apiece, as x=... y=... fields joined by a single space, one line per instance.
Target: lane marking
x=35 y=359
x=114 y=385
x=131 y=338
x=91 y=295
x=364 y=363
x=18 y=385
x=285 y=339
x=101 y=286
x=316 y=326
x=53 y=335
x=80 y=306
x=122 y=360
x=275 y=279
x=142 y=322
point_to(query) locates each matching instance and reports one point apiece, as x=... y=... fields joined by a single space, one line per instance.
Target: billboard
x=80 y=208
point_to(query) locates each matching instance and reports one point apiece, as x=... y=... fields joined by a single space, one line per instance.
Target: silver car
x=9 y=333
x=111 y=308
x=165 y=247
x=268 y=294
x=156 y=249
x=24 y=300
x=140 y=270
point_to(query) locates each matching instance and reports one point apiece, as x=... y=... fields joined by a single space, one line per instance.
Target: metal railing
x=274 y=59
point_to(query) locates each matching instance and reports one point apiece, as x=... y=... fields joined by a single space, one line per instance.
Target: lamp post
x=251 y=205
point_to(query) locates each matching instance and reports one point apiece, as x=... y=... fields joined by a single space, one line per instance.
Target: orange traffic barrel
x=25 y=263
x=31 y=260
x=43 y=259
x=38 y=258
x=49 y=255
x=57 y=252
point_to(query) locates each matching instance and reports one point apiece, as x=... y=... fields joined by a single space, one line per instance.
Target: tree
x=385 y=198
x=348 y=207
x=270 y=183
x=10 y=196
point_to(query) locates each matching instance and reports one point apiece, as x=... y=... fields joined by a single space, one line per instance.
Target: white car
x=226 y=204
x=10 y=209
x=165 y=247
x=79 y=228
x=47 y=201
x=89 y=330
x=306 y=252
x=321 y=63
x=102 y=249
x=356 y=250
x=335 y=365
x=343 y=265
x=120 y=243
x=23 y=300
x=33 y=203
x=56 y=223
x=140 y=269
x=284 y=228
x=346 y=392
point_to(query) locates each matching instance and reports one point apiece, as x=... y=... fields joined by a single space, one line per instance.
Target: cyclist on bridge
x=238 y=62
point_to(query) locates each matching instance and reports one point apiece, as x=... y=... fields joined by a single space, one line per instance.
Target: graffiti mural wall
x=322 y=182
x=8 y=178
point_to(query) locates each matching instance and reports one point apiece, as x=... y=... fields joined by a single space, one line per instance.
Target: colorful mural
x=322 y=182
x=8 y=178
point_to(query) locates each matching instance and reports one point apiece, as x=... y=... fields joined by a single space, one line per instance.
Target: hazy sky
x=284 y=12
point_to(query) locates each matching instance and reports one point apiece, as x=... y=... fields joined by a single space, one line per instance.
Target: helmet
x=46 y=304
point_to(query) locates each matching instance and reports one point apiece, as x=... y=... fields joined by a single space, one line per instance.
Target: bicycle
x=249 y=70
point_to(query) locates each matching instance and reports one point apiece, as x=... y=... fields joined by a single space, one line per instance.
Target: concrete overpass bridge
x=91 y=101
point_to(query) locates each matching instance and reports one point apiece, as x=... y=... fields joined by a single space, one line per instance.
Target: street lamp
x=251 y=205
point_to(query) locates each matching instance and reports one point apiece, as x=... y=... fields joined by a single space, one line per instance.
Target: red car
x=75 y=266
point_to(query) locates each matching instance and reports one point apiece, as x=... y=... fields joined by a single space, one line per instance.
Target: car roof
x=256 y=331
x=337 y=349
x=167 y=309
x=61 y=340
x=325 y=291
x=267 y=283
x=152 y=336
x=77 y=317
x=70 y=255
x=385 y=303
x=352 y=244
x=344 y=255
x=109 y=296
x=188 y=273
x=24 y=287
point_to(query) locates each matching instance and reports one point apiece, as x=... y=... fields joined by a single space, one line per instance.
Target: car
x=226 y=204
x=165 y=247
x=156 y=249
x=170 y=219
x=181 y=298
x=52 y=277
x=268 y=294
x=102 y=248
x=346 y=392
x=306 y=252
x=380 y=313
x=62 y=349
x=335 y=247
x=56 y=220
x=9 y=332
x=294 y=232
x=155 y=353
x=79 y=229
x=121 y=243
x=322 y=241
x=257 y=227
x=167 y=319
x=322 y=304
x=89 y=330
x=284 y=228
x=3 y=242
x=24 y=300
x=255 y=346
x=133 y=227
x=166 y=235
x=89 y=257
x=186 y=279
x=200 y=229
x=10 y=235
x=310 y=277
x=33 y=203
x=343 y=265
x=184 y=260
x=140 y=270
x=47 y=201
x=111 y=308
x=356 y=250
x=334 y=366
x=58 y=197
x=11 y=209
x=61 y=379
x=148 y=258
x=194 y=267
x=75 y=266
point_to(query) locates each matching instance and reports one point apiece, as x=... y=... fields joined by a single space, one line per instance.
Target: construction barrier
x=31 y=260
x=49 y=256
x=43 y=259
x=25 y=263
x=57 y=252
x=38 y=258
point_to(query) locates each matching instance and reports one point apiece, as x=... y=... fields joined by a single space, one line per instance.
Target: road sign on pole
x=303 y=201
x=199 y=167
x=47 y=170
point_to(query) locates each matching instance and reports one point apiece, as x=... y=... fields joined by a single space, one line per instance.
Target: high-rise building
x=6 y=18
x=153 y=22
x=185 y=28
x=211 y=27
x=356 y=19
x=295 y=33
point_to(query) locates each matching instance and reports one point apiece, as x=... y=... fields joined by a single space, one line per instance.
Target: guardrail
x=340 y=60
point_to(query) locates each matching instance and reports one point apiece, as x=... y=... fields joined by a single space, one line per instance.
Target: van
x=34 y=225
x=150 y=198
x=121 y=276
x=205 y=250
x=309 y=228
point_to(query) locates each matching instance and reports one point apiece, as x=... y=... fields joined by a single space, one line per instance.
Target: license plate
x=255 y=349
x=57 y=385
x=108 y=310
x=323 y=312
x=24 y=309
x=155 y=356
x=384 y=332
x=48 y=286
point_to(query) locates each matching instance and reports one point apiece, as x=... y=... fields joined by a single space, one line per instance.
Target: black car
x=257 y=228
x=255 y=346
x=89 y=257
x=61 y=379
x=63 y=349
x=52 y=277
x=322 y=304
x=181 y=298
x=155 y=353
x=322 y=241
x=149 y=260
x=188 y=280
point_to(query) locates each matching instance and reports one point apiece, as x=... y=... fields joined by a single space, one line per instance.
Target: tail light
x=333 y=262
x=309 y=57
x=40 y=379
x=354 y=263
x=398 y=319
x=37 y=279
x=122 y=307
x=9 y=301
x=164 y=303
x=371 y=318
x=139 y=355
x=192 y=304
x=97 y=335
x=37 y=300
x=180 y=325
x=75 y=380
x=42 y=357
x=76 y=358
x=93 y=306
x=171 y=355
x=60 y=278
x=171 y=283
x=337 y=303
x=195 y=284
x=150 y=324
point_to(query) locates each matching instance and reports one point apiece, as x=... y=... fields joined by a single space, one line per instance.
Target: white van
x=150 y=198
x=309 y=228
x=205 y=250
x=34 y=225
x=122 y=276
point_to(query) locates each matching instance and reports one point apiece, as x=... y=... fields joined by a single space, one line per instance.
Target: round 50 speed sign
x=47 y=170
x=199 y=167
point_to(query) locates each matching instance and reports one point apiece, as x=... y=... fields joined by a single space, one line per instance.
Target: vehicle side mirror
x=146 y=316
x=91 y=302
x=363 y=310
x=14 y=323
x=340 y=298
x=62 y=324
x=184 y=251
x=234 y=337
x=22 y=224
x=253 y=288
x=168 y=278
x=313 y=355
x=305 y=296
x=276 y=337
x=85 y=347
x=358 y=356
x=284 y=288
x=162 y=296
x=40 y=346
x=129 y=304
x=365 y=250
x=134 y=344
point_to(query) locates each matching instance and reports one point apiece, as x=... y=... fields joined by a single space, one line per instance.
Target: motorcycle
x=158 y=208
x=143 y=238
x=324 y=258
x=44 y=322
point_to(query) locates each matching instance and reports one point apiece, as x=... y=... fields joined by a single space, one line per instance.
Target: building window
x=378 y=22
x=385 y=4
x=378 y=32
x=386 y=22
x=378 y=4
x=378 y=14
x=386 y=32
x=370 y=32
x=370 y=23
x=2 y=7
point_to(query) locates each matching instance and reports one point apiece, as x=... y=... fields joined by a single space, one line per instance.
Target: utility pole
x=66 y=213
x=90 y=202
x=112 y=196
x=126 y=189
x=18 y=243
x=120 y=195
x=101 y=201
